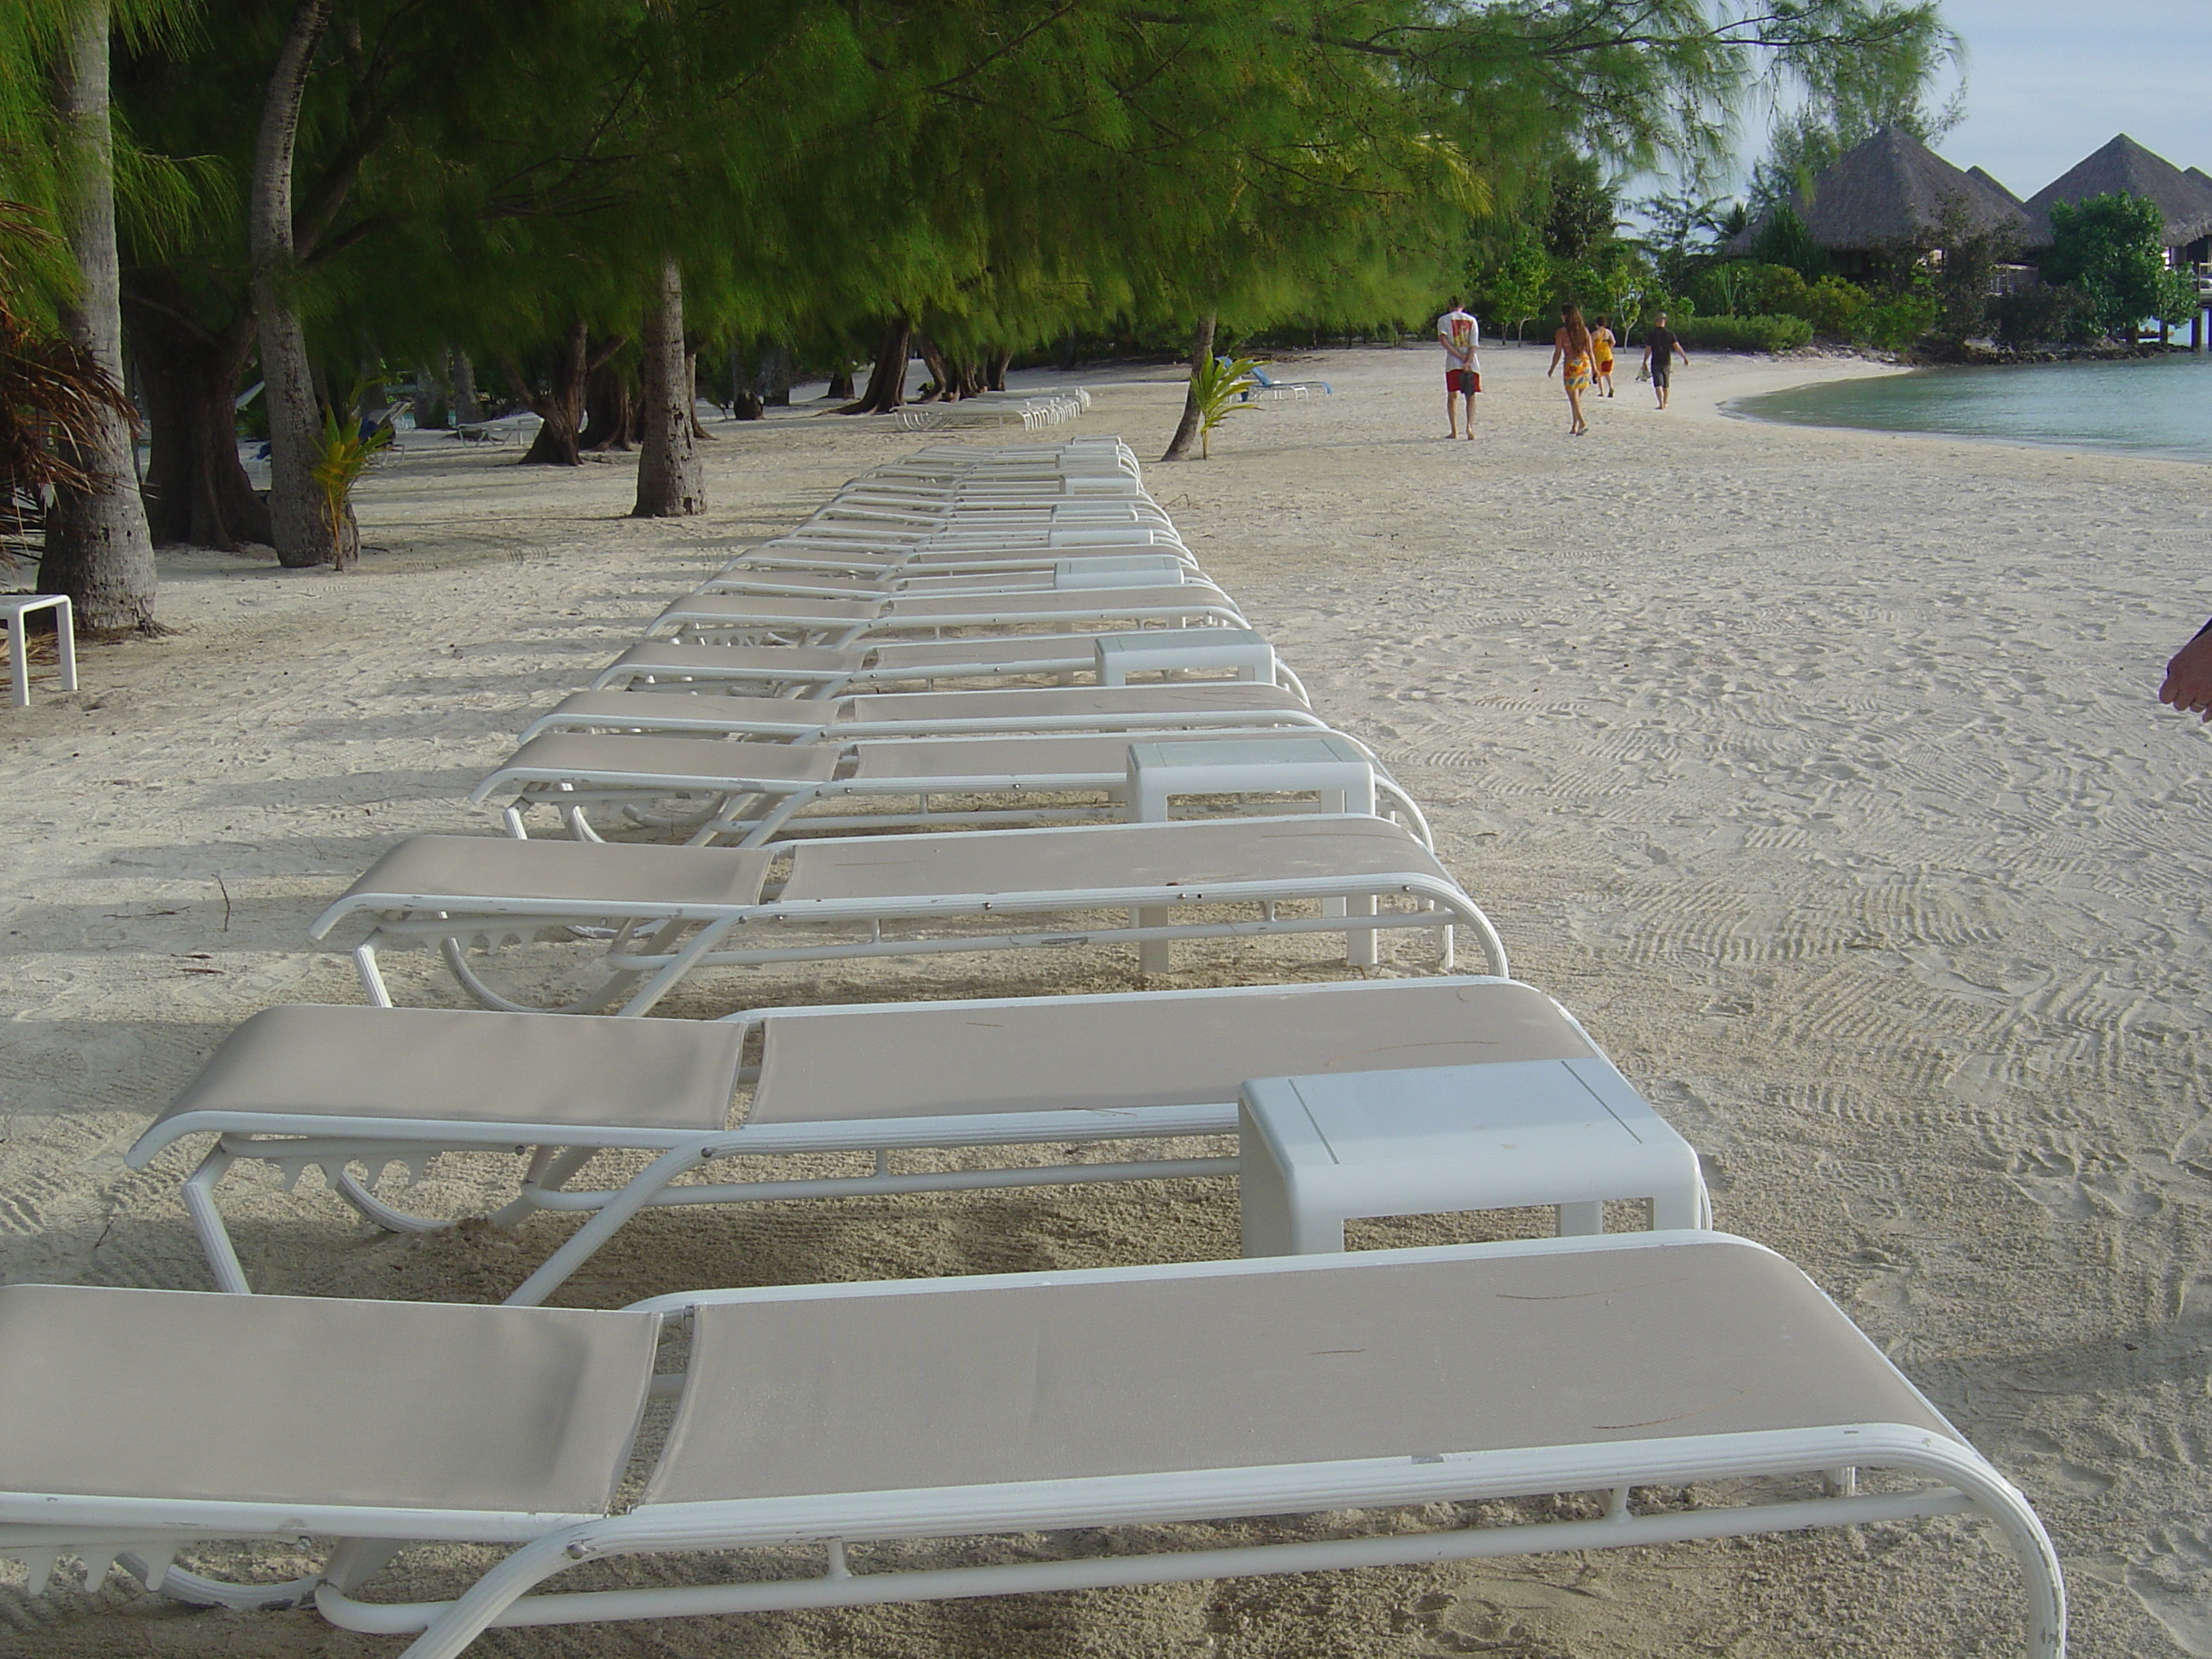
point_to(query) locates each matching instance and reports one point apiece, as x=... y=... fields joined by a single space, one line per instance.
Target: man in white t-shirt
x=1458 y=332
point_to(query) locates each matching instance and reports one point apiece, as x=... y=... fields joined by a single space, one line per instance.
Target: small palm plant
x=347 y=453
x=1219 y=390
x=53 y=395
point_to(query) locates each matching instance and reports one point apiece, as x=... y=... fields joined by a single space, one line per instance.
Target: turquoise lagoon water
x=2158 y=406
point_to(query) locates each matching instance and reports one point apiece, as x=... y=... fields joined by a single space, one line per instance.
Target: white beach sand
x=1818 y=772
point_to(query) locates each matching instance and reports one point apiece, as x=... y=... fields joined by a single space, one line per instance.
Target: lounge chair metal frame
x=1951 y=1477
x=656 y=943
x=752 y=809
x=296 y=1140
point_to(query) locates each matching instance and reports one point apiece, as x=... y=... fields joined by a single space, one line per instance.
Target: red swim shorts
x=1462 y=379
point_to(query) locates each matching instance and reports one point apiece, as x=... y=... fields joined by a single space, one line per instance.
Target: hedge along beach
x=1817 y=770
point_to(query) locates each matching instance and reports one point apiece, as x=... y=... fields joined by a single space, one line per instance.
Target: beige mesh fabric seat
x=748 y=793
x=1206 y=705
x=818 y=672
x=336 y=1087
x=840 y=1415
x=673 y=909
x=768 y=618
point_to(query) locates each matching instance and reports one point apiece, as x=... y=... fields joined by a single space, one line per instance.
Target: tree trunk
x=1201 y=352
x=840 y=381
x=297 y=512
x=940 y=388
x=671 y=479
x=775 y=382
x=887 y=382
x=463 y=411
x=609 y=411
x=994 y=370
x=691 y=380
x=196 y=491
x=560 y=406
x=99 y=549
x=425 y=400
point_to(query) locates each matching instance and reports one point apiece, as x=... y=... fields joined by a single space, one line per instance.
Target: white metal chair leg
x=603 y=1226
x=207 y=1222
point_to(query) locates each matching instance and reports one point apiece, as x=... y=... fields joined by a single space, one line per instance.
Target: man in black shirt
x=1661 y=348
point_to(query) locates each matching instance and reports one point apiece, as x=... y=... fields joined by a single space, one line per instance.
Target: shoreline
x=1816 y=772
x=1735 y=409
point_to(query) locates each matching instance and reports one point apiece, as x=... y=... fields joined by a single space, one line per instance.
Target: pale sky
x=2050 y=81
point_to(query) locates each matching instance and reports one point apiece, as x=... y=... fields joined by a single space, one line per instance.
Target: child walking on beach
x=1458 y=333
x=1601 y=336
x=1573 y=347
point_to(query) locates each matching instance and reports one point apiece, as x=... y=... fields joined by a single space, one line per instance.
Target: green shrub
x=1896 y=324
x=1742 y=333
x=1834 y=306
x=2046 y=314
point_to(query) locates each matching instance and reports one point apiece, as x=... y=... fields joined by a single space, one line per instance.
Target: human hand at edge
x=2189 y=678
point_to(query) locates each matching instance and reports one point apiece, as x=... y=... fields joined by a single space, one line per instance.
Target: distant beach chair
x=333 y=1087
x=817 y=672
x=675 y=909
x=1264 y=388
x=973 y=1407
x=1007 y=710
x=747 y=794
x=743 y=619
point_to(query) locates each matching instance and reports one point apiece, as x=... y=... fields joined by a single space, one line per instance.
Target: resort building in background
x=1888 y=197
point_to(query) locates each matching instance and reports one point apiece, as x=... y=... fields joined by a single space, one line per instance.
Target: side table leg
x=19 y=666
x=65 y=642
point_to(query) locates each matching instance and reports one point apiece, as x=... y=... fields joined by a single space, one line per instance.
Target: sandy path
x=1816 y=771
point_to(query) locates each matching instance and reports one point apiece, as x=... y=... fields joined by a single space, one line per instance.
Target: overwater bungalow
x=2184 y=198
x=1885 y=199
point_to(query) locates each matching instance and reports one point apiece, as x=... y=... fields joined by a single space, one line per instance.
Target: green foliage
x=2113 y=249
x=1510 y=277
x=1741 y=333
x=1218 y=389
x=1783 y=239
x=2044 y=315
x=346 y=454
x=1582 y=214
x=1834 y=306
x=1895 y=324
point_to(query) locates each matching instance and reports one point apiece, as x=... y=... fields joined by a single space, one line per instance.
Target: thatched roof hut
x=1888 y=196
x=1983 y=178
x=2125 y=167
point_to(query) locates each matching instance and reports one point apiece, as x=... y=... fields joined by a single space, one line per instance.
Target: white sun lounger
x=958 y=556
x=974 y=1407
x=331 y=1087
x=676 y=908
x=1175 y=707
x=736 y=618
x=748 y=793
x=820 y=671
x=1095 y=568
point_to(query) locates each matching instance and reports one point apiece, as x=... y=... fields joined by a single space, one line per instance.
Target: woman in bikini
x=1572 y=346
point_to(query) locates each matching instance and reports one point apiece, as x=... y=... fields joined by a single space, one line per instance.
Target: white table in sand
x=1318 y=1152
x=1184 y=650
x=15 y=608
x=1324 y=763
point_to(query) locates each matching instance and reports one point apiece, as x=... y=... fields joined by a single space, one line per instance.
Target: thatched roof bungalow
x=1885 y=198
x=2125 y=167
x=1983 y=178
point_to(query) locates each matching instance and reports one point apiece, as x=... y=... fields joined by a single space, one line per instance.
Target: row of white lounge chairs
x=810 y=687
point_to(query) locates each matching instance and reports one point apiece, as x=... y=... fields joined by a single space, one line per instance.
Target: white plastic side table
x=15 y=607
x=1319 y=1151
x=1131 y=570
x=1182 y=650
x=1326 y=763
